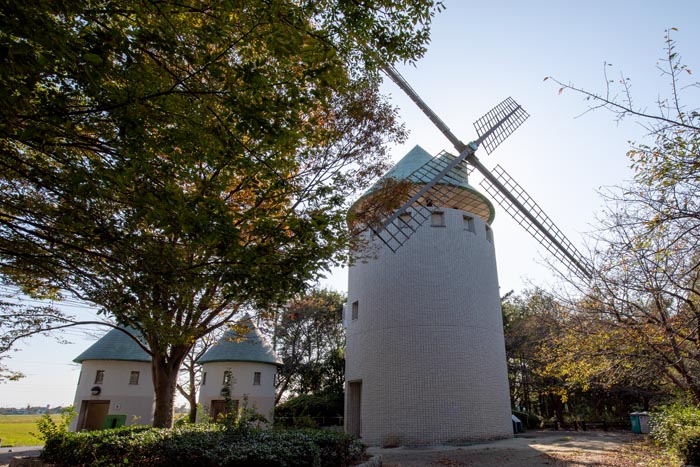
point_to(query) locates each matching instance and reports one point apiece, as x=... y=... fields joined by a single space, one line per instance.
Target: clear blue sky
x=481 y=53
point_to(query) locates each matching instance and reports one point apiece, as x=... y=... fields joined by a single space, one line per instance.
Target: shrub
x=528 y=420
x=202 y=445
x=668 y=422
x=303 y=411
x=47 y=427
x=688 y=445
x=97 y=448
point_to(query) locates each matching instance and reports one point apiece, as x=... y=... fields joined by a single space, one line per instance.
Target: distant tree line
x=31 y=410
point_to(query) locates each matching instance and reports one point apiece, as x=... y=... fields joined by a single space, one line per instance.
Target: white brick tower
x=425 y=355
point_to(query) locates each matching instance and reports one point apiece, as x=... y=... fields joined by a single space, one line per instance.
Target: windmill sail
x=532 y=218
x=492 y=129
x=499 y=123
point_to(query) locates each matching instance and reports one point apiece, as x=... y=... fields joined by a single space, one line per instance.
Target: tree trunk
x=165 y=370
x=193 y=409
x=191 y=394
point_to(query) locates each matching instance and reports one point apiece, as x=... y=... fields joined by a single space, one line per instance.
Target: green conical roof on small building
x=115 y=345
x=245 y=347
x=471 y=201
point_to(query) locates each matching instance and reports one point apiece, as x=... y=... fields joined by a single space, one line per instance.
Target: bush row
x=529 y=420
x=677 y=428
x=205 y=445
x=311 y=410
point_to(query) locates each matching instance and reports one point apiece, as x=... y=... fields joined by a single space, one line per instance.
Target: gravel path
x=533 y=449
x=6 y=454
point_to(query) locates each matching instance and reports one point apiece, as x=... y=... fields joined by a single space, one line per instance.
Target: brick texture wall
x=427 y=344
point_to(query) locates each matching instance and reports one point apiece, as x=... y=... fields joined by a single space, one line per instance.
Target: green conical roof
x=415 y=158
x=471 y=201
x=115 y=345
x=234 y=347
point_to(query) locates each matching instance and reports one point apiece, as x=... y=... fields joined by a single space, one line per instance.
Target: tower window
x=99 y=376
x=489 y=234
x=405 y=219
x=227 y=377
x=355 y=310
x=469 y=224
x=256 y=378
x=204 y=378
x=134 y=377
x=437 y=219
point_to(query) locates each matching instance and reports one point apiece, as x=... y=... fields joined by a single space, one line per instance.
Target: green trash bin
x=640 y=422
x=634 y=418
x=113 y=421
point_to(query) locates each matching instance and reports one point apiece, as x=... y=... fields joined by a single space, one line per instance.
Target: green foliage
x=310 y=339
x=48 y=427
x=529 y=420
x=241 y=419
x=688 y=445
x=567 y=362
x=172 y=162
x=202 y=445
x=668 y=423
x=310 y=410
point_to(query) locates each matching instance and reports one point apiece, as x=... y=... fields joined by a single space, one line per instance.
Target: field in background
x=16 y=430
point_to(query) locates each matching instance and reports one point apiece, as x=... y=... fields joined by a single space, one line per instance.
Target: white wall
x=428 y=342
x=134 y=401
x=261 y=397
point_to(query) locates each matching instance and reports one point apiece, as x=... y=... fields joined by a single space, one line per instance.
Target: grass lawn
x=16 y=430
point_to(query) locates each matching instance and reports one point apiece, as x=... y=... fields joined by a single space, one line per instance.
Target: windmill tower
x=425 y=353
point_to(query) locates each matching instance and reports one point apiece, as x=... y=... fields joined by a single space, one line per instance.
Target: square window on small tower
x=469 y=224
x=134 y=377
x=489 y=234
x=405 y=219
x=256 y=378
x=355 y=310
x=437 y=219
x=99 y=376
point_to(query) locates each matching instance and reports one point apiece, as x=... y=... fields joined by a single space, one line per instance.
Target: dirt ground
x=6 y=454
x=537 y=449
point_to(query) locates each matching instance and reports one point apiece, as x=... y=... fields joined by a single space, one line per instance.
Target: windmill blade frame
x=526 y=212
x=493 y=128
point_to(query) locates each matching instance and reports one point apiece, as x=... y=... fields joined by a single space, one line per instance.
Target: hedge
x=202 y=445
x=528 y=420
x=677 y=428
x=689 y=445
x=307 y=409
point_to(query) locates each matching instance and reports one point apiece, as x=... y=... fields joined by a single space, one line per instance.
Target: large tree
x=642 y=305
x=175 y=162
x=310 y=339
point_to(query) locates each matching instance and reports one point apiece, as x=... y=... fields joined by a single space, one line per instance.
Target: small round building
x=240 y=367
x=425 y=354
x=115 y=386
